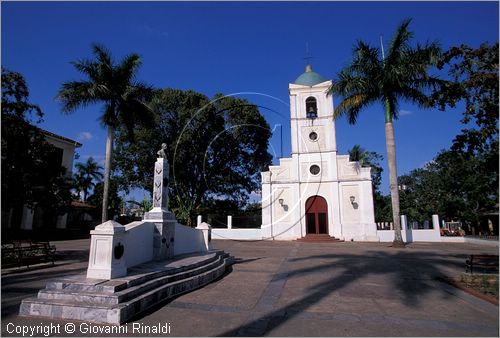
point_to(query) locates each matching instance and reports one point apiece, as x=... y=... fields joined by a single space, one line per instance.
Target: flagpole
x=382 y=46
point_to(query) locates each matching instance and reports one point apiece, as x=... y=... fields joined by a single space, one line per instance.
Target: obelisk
x=163 y=219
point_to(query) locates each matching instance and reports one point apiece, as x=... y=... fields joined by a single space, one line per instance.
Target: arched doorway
x=316 y=216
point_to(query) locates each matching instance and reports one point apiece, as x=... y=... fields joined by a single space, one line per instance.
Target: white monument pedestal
x=164 y=235
x=107 y=250
x=164 y=220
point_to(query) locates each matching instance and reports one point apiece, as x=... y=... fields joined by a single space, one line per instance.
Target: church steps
x=320 y=238
x=118 y=307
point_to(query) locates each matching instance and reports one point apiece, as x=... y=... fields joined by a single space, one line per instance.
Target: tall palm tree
x=113 y=85
x=401 y=75
x=86 y=175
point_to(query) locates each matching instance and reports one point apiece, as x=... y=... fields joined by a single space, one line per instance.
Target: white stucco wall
x=188 y=240
x=138 y=243
x=237 y=234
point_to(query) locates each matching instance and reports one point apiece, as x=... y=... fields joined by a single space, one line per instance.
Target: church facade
x=316 y=193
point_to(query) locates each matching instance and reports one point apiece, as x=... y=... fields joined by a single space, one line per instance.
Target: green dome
x=309 y=78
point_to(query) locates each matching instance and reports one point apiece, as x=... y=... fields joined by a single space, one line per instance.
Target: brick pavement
x=295 y=289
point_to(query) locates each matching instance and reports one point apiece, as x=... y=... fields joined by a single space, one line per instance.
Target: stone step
x=93 y=296
x=68 y=309
x=78 y=307
x=136 y=275
x=87 y=285
x=319 y=238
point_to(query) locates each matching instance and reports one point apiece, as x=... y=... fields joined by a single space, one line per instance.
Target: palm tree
x=358 y=154
x=115 y=86
x=86 y=175
x=401 y=75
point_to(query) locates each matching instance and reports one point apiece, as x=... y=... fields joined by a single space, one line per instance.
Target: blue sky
x=251 y=47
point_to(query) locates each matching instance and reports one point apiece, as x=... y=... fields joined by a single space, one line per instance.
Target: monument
x=135 y=266
x=164 y=220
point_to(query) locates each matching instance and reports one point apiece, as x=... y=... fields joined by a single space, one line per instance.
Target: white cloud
x=85 y=136
x=405 y=112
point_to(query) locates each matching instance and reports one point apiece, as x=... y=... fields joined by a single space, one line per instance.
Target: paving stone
x=310 y=289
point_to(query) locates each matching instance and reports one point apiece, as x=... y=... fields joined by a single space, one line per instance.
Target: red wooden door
x=316 y=216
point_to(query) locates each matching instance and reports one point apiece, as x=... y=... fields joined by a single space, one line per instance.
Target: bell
x=312 y=113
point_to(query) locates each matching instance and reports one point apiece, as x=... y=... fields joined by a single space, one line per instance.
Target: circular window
x=313 y=136
x=314 y=169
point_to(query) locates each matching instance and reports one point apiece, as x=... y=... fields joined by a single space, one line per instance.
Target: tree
x=368 y=159
x=461 y=183
x=216 y=150
x=87 y=175
x=144 y=206
x=454 y=185
x=113 y=85
x=471 y=165
x=22 y=142
x=401 y=75
x=30 y=176
x=474 y=80
x=115 y=202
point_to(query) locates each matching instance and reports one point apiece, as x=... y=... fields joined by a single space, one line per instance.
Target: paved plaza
x=292 y=289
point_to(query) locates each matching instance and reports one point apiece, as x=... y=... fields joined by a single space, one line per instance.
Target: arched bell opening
x=311 y=108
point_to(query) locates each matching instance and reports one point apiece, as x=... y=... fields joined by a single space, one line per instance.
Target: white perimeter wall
x=411 y=235
x=237 y=234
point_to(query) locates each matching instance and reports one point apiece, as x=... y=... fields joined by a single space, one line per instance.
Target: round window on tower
x=313 y=136
x=314 y=169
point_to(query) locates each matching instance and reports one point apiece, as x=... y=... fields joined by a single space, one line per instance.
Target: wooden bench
x=482 y=264
x=26 y=253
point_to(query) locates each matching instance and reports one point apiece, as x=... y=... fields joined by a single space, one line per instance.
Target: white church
x=316 y=193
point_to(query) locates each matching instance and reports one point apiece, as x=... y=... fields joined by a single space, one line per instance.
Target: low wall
x=188 y=240
x=278 y=231
x=477 y=241
x=237 y=234
x=138 y=243
x=388 y=235
x=431 y=235
x=425 y=235
x=411 y=235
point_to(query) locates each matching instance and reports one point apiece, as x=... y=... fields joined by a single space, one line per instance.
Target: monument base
x=164 y=235
x=115 y=301
x=159 y=214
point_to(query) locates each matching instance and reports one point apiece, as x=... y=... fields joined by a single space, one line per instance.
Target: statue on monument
x=161 y=153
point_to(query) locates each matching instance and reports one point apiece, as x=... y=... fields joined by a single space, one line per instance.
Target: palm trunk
x=393 y=179
x=107 y=170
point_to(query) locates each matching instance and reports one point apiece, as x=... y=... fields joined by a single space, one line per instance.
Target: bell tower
x=311 y=114
x=312 y=126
